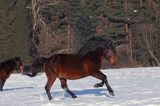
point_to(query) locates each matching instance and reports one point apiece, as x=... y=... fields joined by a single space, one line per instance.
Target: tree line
x=34 y=28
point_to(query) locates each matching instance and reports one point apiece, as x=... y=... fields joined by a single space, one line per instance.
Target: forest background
x=32 y=28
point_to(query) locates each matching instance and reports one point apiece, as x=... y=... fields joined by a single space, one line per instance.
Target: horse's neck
x=98 y=53
x=10 y=64
x=96 y=56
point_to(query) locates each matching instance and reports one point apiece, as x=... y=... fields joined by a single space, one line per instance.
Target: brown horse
x=86 y=62
x=7 y=67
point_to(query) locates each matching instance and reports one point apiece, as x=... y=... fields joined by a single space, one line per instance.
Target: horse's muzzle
x=21 y=68
x=113 y=60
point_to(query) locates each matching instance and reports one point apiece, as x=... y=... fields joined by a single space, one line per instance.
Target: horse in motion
x=86 y=62
x=7 y=67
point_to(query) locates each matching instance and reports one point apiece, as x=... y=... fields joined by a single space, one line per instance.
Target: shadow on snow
x=18 y=88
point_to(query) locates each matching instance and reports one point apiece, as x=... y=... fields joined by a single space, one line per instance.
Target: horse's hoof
x=50 y=98
x=95 y=86
x=111 y=93
x=74 y=96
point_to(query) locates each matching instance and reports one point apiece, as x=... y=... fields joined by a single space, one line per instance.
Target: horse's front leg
x=51 y=79
x=99 y=84
x=108 y=86
x=65 y=87
x=103 y=77
x=1 y=85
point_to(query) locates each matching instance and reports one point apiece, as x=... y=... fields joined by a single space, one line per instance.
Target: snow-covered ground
x=132 y=86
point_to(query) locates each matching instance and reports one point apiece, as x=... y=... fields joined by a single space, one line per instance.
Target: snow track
x=132 y=86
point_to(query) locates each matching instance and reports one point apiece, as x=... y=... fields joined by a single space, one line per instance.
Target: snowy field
x=133 y=87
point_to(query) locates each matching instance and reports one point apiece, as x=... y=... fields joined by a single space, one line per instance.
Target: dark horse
x=6 y=67
x=35 y=67
x=86 y=62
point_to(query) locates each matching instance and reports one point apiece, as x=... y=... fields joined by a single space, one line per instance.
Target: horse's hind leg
x=49 y=84
x=103 y=77
x=65 y=87
x=1 y=85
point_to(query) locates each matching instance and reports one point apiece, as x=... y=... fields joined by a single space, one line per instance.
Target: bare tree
x=40 y=27
x=147 y=31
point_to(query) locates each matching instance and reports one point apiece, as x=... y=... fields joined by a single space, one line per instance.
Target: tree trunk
x=129 y=39
x=130 y=46
x=126 y=7
x=69 y=34
x=151 y=52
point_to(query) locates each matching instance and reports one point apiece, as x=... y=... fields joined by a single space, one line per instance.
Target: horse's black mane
x=9 y=63
x=93 y=44
x=35 y=67
x=36 y=64
x=39 y=61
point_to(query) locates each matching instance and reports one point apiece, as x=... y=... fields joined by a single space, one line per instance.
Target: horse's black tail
x=35 y=68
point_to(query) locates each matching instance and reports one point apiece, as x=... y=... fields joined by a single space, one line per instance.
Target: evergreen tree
x=14 y=29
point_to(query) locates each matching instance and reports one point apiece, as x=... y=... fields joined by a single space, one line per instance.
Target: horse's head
x=109 y=52
x=19 y=65
x=35 y=67
x=104 y=47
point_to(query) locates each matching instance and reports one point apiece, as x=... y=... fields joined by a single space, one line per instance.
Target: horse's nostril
x=113 y=60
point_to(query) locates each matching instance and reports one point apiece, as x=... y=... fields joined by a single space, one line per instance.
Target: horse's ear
x=17 y=57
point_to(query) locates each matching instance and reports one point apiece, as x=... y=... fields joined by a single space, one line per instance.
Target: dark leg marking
x=65 y=87
x=103 y=77
x=99 y=84
x=48 y=87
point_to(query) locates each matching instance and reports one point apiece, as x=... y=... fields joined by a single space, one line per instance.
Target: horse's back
x=70 y=61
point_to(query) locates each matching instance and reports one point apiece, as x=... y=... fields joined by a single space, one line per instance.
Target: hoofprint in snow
x=132 y=86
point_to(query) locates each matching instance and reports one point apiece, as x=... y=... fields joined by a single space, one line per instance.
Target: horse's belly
x=72 y=74
x=74 y=69
x=73 y=77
